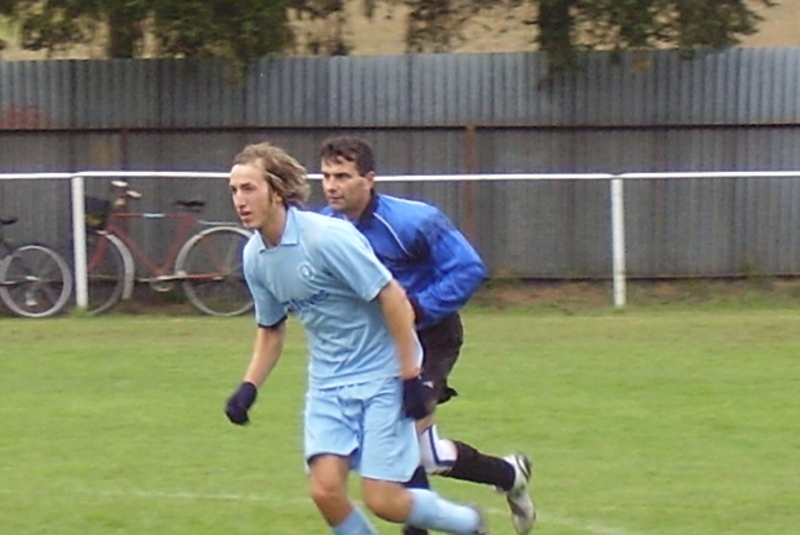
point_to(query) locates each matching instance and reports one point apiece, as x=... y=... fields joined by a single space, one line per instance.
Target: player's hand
x=418 y=398
x=239 y=403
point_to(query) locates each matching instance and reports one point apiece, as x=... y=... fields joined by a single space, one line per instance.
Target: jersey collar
x=365 y=219
x=290 y=233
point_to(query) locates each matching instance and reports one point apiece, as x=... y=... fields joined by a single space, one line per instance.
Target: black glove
x=240 y=402
x=418 y=398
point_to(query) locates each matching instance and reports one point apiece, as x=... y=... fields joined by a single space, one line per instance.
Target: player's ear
x=275 y=197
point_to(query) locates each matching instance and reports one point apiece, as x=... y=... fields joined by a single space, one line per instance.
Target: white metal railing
x=616 y=185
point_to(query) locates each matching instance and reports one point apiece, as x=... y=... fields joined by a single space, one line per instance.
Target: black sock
x=419 y=480
x=472 y=465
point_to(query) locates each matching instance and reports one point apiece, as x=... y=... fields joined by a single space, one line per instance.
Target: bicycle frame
x=6 y=245
x=164 y=271
x=194 y=255
x=6 y=248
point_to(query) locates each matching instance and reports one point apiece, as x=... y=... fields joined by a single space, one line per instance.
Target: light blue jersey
x=326 y=273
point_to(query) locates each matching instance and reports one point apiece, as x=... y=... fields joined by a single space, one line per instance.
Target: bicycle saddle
x=194 y=205
x=8 y=220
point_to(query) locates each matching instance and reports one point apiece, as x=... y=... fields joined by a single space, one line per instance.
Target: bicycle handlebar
x=129 y=193
x=125 y=193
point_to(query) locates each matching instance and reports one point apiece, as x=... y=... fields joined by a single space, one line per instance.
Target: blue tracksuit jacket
x=429 y=257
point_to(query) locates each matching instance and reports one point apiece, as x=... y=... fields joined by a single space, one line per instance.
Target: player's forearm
x=266 y=352
x=459 y=273
x=447 y=295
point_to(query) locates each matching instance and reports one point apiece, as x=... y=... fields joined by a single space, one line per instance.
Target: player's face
x=346 y=190
x=255 y=202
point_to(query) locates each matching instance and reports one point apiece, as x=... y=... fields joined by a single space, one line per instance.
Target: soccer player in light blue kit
x=364 y=385
x=439 y=270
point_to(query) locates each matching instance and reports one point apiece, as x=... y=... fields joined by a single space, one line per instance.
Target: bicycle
x=207 y=263
x=35 y=281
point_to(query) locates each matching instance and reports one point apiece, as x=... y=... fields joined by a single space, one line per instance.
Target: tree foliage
x=253 y=28
x=564 y=28
x=181 y=28
x=434 y=25
x=238 y=30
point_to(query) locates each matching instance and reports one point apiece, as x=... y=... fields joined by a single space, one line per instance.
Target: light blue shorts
x=364 y=422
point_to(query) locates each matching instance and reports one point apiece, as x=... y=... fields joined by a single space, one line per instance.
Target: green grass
x=653 y=421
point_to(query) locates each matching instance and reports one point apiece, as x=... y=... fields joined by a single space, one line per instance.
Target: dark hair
x=351 y=148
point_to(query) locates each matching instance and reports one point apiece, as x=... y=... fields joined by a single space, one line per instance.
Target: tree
x=433 y=25
x=181 y=28
x=252 y=28
x=238 y=30
x=567 y=27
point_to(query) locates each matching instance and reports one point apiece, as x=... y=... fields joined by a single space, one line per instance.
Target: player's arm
x=459 y=271
x=418 y=398
x=267 y=349
x=400 y=322
x=270 y=317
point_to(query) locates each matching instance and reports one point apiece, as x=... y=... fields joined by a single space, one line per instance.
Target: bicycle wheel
x=36 y=282
x=105 y=266
x=210 y=264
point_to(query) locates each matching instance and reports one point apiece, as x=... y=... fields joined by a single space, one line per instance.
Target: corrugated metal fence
x=452 y=113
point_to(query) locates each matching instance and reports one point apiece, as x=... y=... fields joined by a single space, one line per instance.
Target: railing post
x=79 y=241
x=618 y=240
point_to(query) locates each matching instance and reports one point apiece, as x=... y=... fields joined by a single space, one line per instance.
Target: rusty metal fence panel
x=442 y=114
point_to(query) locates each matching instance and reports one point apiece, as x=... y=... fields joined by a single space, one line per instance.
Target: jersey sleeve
x=268 y=310
x=459 y=270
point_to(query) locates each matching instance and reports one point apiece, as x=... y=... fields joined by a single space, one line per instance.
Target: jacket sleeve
x=458 y=270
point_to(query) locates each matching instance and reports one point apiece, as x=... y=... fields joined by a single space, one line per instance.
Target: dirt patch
x=570 y=296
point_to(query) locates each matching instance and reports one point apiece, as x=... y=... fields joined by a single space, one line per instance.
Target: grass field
x=654 y=421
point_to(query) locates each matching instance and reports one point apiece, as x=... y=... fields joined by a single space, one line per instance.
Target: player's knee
x=386 y=500
x=437 y=454
x=324 y=496
x=326 y=492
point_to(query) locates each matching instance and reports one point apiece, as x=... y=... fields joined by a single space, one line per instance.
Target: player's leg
x=329 y=445
x=389 y=455
x=424 y=508
x=444 y=342
x=459 y=460
x=510 y=474
x=419 y=480
x=328 y=489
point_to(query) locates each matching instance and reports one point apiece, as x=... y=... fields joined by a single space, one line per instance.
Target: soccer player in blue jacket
x=364 y=386
x=440 y=271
